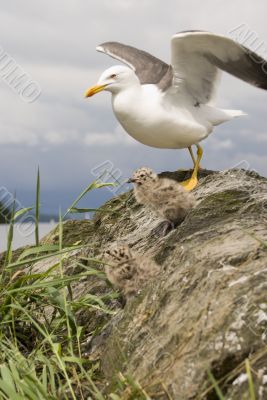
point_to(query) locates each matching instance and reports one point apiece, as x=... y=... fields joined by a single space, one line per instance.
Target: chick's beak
x=131 y=180
x=94 y=89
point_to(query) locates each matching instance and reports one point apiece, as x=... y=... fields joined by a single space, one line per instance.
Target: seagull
x=171 y=106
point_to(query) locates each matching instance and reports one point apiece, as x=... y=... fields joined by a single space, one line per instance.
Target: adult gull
x=171 y=106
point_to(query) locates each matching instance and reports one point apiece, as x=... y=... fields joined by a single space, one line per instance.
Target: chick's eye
x=113 y=76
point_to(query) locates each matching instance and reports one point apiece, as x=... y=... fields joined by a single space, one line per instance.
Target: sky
x=52 y=126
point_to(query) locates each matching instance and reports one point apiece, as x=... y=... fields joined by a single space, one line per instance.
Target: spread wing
x=148 y=68
x=197 y=58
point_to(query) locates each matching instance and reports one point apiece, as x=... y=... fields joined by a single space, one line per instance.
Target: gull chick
x=166 y=197
x=128 y=270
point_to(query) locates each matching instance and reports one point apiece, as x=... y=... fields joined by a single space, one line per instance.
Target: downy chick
x=127 y=270
x=166 y=197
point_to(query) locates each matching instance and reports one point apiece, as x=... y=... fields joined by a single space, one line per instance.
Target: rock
x=207 y=312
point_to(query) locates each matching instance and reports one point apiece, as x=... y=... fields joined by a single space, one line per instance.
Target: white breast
x=148 y=118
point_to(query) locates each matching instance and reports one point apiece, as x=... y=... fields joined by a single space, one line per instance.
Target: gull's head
x=114 y=79
x=143 y=177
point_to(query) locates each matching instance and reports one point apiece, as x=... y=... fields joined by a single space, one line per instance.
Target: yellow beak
x=93 y=90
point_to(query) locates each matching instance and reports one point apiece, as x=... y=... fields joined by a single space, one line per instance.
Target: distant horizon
x=49 y=209
x=49 y=123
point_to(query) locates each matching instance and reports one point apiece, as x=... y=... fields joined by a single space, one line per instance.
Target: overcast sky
x=54 y=42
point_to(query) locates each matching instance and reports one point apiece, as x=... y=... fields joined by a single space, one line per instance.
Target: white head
x=114 y=79
x=143 y=177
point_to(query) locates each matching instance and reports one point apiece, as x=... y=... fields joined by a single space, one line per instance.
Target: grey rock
x=207 y=311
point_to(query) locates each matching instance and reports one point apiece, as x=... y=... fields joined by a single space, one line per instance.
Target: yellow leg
x=191 y=183
x=192 y=155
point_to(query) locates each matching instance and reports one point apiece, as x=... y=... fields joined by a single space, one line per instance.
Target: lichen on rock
x=207 y=309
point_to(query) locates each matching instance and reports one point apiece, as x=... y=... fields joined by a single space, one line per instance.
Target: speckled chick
x=128 y=270
x=166 y=197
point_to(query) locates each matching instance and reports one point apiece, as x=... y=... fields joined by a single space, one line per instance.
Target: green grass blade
x=35 y=259
x=70 y=319
x=37 y=208
x=21 y=212
x=250 y=381
x=57 y=282
x=7 y=376
x=55 y=347
x=36 y=250
x=87 y=210
x=14 y=216
x=75 y=210
x=10 y=235
x=216 y=386
x=94 y=185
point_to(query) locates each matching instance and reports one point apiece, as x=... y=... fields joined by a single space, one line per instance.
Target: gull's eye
x=113 y=76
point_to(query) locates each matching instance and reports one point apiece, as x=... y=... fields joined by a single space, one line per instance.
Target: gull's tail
x=234 y=113
x=217 y=116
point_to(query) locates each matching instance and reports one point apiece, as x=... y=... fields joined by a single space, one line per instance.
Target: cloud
x=10 y=136
x=68 y=135
x=220 y=144
x=116 y=138
x=58 y=138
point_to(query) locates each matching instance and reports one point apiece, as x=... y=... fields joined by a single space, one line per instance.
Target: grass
x=215 y=386
x=37 y=208
x=41 y=337
x=41 y=352
x=244 y=367
x=40 y=356
x=250 y=380
x=5 y=212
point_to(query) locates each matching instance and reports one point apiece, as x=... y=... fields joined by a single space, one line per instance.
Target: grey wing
x=148 y=68
x=197 y=58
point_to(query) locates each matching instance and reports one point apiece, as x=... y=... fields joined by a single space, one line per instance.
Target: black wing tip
x=193 y=31
x=106 y=43
x=260 y=64
x=263 y=86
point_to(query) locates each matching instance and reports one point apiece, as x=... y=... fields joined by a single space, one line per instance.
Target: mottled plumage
x=128 y=270
x=166 y=197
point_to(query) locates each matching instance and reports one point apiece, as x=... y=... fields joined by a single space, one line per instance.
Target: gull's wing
x=148 y=68
x=197 y=57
